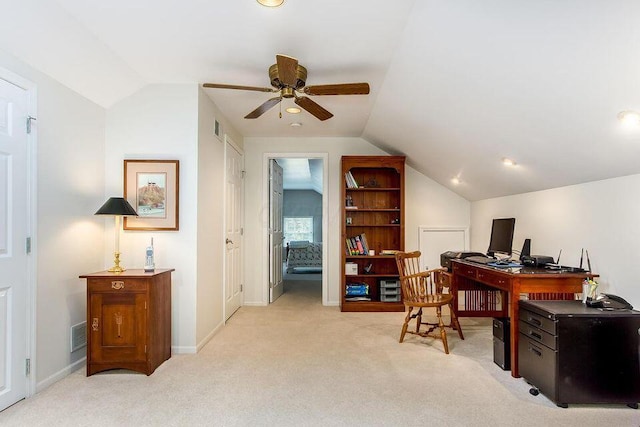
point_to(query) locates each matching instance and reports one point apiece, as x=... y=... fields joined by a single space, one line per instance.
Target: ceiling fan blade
x=338 y=89
x=313 y=108
x=223 y=86
x=267 y=105
x=287 y=70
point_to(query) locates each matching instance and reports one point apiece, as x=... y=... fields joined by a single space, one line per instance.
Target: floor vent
x=78 y=336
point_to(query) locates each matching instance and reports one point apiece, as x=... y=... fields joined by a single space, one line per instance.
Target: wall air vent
x=78 y=336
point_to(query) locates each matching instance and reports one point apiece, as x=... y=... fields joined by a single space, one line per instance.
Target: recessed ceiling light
x=295 y=124
x=629 y=117
x=455 y=180
x=508 y=162
x=292 y=110
x=271 y=3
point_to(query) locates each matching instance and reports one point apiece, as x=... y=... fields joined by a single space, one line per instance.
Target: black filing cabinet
x=502 y=342
x=576 y=354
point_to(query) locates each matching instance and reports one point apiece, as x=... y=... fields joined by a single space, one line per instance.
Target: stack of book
x=389 y=252
x=357 y=245
x=357 y=291
x=350 y=180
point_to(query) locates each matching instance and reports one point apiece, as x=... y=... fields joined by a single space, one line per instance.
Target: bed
x=304 y=254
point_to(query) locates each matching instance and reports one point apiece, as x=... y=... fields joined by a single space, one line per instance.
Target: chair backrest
x=416 y=284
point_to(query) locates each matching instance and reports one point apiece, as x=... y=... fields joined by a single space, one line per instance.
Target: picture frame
x=152 y=188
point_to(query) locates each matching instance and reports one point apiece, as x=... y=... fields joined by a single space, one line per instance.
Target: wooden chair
x=421 y=289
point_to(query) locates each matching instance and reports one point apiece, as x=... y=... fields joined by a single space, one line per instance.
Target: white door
x=234 y=164
x=435 y=241
x=276 y=237
x=13 y=234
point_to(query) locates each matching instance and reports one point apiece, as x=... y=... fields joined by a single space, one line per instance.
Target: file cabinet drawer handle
x=534 y=320
x=535 y=351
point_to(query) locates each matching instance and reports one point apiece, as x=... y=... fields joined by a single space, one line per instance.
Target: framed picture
x=151 y=187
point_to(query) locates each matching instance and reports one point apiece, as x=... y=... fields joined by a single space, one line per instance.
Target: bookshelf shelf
x=374 y=189
x=373 y=219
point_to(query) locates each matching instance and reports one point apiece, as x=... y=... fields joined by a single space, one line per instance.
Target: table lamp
x=117 y=206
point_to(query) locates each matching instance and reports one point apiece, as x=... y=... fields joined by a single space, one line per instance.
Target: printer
x=446 y=257
x=536 y=260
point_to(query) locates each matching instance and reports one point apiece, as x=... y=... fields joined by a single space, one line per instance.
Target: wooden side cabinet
x=128 y=320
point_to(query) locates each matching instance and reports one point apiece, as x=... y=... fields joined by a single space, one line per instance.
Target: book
x=357 y=299
x=359 y=246
x=389 y=251
x=357 y=289
x=350 y=180
x=363 y=237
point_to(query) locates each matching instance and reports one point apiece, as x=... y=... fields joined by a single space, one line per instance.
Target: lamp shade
x=116 y=206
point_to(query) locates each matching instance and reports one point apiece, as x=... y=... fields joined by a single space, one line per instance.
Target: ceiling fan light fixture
x=508 y=162
x=296 y=125
x=293 y=110
x=271 y=3
x=629 y=117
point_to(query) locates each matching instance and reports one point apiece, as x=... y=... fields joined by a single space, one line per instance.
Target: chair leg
x=443 y=332
x=456 y=323
x=418 y=320
x=406 y=324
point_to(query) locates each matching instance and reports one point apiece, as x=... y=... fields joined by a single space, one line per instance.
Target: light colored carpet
x=297 y=363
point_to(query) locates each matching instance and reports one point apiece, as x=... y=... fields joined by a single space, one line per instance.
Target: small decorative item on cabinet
x=351 y=269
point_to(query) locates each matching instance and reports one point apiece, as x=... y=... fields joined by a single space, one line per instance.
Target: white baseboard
x=42 y=385
x=209 y=337
x=255 y=303
x=183 y=349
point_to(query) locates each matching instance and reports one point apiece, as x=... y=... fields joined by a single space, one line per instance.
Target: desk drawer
x=465 y=270
x=117 y=284
x=493 y=279
x=538 y=321
x=534 y=333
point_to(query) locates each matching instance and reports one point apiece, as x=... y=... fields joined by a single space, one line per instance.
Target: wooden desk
x=501 y=297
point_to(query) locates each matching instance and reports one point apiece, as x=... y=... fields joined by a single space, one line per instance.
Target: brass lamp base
x=116 y=264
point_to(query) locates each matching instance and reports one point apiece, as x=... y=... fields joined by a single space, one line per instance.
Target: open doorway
x=296 y=244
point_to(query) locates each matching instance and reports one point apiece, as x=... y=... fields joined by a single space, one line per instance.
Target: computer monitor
x=501 y=236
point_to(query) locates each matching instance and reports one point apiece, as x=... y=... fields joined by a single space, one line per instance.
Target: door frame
x=32 y=165
x=325 y=214
x=229 y=141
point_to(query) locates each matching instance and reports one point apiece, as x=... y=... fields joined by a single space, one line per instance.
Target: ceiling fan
x=288 y=78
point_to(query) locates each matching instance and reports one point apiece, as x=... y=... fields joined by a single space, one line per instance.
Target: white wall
x=429 y=204
x=175 y=122
x=426 y=202
x=210 y=234
x=160 y=122
x=69 y=239
x=601 y=217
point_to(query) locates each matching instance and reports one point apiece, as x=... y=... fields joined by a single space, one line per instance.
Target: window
x=298 y=228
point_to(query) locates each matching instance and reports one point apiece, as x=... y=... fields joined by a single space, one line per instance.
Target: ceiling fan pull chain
x=281 y=110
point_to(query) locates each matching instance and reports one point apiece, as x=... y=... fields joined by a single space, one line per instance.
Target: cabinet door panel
x=117 y=327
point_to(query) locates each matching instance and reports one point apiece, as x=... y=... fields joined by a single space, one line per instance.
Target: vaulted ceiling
x=456 y=85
